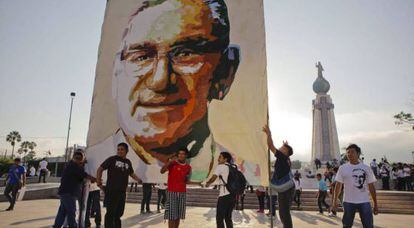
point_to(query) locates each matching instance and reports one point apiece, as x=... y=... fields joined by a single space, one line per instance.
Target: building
x=325 y=145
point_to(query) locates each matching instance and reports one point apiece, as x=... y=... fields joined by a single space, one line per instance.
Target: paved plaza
x=41 y=213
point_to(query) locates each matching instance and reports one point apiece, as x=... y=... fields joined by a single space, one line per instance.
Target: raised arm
x=270 y=144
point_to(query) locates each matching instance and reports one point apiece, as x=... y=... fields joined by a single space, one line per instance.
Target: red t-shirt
x=177 y=176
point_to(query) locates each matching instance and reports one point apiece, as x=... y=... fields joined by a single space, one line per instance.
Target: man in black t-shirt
x=119 y=169
x=70 y=190
x=282 y=170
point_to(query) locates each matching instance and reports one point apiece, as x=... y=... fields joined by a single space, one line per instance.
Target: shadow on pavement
x=313 y=219
x=144 y=220
x=32 y=220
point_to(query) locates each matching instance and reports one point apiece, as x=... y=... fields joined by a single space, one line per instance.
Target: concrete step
x=389 y=201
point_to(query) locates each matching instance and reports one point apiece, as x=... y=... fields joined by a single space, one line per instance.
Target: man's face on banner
x=167 y=66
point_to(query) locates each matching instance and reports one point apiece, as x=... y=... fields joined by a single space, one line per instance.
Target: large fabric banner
x=181 y=73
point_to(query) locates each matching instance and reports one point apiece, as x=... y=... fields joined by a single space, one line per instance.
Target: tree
x=30 y=156
x=31 y=146
x=32 y=153
x=404 y=118
x=24 y=147
x=12 y=138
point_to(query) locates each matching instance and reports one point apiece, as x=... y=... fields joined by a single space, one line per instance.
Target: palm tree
x=24 y=147
x=12 y=138
x=32 y=153
x=31 y=146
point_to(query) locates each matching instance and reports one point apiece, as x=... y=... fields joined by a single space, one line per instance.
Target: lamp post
x=72 y=96
x=413 y=155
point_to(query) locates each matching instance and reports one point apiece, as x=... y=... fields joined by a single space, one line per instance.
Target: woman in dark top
x=282 y=168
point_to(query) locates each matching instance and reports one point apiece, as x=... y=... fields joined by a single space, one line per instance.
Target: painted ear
x=225 y=73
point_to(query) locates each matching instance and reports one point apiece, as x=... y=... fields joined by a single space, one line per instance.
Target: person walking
x=15 y=180
x=146 y=198
x=70 y=190
x=93 y=206
x=282 y=175
x=162 y=196
x=298 y=192
x=178 y=178
x=43 y=170
x=358 y=180
x=226 y=201
x=322 y=193
x=261 y=194
x=119 y=169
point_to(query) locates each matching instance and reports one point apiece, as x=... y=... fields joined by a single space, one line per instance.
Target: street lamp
x=72 y=96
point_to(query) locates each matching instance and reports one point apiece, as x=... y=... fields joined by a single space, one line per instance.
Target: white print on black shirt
x=359 y=176
x=122 y=165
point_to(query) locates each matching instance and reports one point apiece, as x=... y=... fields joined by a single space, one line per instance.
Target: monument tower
x=325 y=145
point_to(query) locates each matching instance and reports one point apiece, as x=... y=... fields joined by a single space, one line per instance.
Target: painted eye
x=140 y=58
x=185 y=53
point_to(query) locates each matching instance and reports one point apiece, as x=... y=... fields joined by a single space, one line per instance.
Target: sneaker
x=260 y=211
x=142 y=212
x=9 y=209
x=331 y=215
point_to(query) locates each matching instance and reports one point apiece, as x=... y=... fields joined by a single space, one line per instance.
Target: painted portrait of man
x=174 y=59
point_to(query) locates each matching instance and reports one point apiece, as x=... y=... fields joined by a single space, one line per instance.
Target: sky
x=49 y=49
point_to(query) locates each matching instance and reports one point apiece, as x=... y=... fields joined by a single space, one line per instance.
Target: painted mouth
x=162 y=104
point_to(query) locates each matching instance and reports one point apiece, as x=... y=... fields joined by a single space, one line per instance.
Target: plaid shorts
x=175 y=206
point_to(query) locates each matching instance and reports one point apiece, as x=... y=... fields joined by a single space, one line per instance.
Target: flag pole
x=270 y=189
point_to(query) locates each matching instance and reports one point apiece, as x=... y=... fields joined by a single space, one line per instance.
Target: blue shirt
x=15 y=173
x=322 y=185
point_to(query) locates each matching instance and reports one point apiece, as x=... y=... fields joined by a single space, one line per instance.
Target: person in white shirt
x=93 y=206
x=43 y=170
x=162 y=196
x=226 y=201
x=407 y=177
x=32 y=171
x=400 y=177
x=374 y=166
x=358 y=181
x=298 y=191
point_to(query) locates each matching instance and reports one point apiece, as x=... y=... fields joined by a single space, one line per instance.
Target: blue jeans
x=365 y=213
x=67 y=209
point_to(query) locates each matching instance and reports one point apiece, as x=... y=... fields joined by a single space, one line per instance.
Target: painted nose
x=160 y=77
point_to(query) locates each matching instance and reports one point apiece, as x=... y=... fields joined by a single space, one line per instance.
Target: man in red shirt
x=178 y=173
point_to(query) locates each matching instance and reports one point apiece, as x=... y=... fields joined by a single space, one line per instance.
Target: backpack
x=236 y=182
x=283 y=184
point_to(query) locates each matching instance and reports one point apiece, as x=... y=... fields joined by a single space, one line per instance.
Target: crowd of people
x=394 y=176
x=350 y=184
